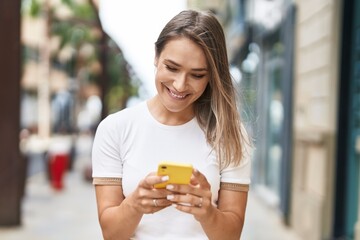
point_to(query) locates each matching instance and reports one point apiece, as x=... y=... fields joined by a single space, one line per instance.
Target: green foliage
x=122 y=85
x=79 y=30
x=70 y=34
x=35 y=8
x=69 y=3
x=85 y=12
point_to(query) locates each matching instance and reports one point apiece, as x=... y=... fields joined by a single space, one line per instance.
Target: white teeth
x=176 y=96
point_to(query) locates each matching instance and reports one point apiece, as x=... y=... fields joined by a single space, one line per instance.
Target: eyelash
x=198 y=76
x=171 y=69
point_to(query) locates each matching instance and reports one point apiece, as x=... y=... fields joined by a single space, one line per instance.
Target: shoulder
x=121 y=120
x=125 y=115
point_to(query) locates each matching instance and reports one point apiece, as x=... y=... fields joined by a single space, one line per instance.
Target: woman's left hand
x=193 y=198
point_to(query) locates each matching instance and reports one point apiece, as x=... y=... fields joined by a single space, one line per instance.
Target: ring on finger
x=155 y=203
x=200 y=204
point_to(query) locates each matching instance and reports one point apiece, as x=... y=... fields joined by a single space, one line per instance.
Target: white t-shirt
x=129 y=144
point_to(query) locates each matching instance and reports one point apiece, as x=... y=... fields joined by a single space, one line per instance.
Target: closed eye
x=172 y=69
x=198 y=76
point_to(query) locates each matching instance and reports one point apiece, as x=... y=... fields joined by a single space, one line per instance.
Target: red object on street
x=58 y=167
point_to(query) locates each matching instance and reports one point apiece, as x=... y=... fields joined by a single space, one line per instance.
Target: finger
x=160 y=202
x=155 y=205
x=151 y=180
x=194 y=181
x=186 y=200
x=200 y=202
x=185 y=189
x=196 y=211
x=201 y=178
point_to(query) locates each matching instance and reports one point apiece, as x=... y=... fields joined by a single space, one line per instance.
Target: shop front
x=267 y=68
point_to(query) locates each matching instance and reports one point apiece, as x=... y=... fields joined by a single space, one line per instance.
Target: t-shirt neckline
x=188 y=124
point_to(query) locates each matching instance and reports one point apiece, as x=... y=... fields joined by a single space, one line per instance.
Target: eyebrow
x=178 y=65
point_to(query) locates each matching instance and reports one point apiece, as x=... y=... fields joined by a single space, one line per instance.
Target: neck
x=164 y=116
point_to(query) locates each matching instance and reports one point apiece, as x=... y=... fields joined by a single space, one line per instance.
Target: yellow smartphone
x=179 y=173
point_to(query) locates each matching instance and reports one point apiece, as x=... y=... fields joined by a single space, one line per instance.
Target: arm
x=120 y=216
x=227 y=218
x=117 y=219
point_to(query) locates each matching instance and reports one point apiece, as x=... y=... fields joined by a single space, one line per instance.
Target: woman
x=192 y=119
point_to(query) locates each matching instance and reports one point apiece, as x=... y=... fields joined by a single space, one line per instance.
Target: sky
x=135 y=25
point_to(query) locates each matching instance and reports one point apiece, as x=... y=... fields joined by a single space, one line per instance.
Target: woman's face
x=182 y=75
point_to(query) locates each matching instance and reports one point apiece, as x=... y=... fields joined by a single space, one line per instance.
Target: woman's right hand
x=114 y=208
x=148 y=199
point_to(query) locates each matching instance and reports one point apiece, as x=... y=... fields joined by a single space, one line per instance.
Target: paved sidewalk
x=58 y=215
x=50 y=215
x=263 y=223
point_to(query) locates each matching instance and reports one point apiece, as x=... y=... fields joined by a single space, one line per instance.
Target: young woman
x=192 y=119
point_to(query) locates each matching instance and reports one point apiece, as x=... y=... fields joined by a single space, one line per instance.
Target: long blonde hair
x=216 y=110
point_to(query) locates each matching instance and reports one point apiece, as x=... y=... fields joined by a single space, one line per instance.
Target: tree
x=85 y=52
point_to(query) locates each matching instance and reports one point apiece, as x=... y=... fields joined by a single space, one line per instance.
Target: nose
x=180 y=83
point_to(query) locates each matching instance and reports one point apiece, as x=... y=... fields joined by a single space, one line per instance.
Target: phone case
x=179 y=173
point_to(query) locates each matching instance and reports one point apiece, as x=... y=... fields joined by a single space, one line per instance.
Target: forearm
x=223 y=225
x=119 y=222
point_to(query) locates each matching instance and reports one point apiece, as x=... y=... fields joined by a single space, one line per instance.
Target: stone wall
x=315 y=105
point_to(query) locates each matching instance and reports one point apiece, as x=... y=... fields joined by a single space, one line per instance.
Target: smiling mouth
x=177 y=96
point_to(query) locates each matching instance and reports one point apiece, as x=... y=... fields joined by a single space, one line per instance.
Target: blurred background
x=66 y=64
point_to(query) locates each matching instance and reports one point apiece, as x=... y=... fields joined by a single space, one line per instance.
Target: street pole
x=12 y=165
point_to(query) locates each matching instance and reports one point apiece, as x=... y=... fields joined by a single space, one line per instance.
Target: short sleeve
x=106 y=157
x=239 y=175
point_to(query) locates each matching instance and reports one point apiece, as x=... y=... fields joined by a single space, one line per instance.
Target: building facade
x=297 y=65
x=316 y=78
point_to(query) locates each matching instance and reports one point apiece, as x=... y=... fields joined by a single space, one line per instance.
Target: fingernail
x=164 y=178
x=170 y=197
x=169 y=187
